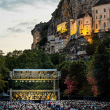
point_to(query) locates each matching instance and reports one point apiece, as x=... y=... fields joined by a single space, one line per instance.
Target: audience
x=55 y=105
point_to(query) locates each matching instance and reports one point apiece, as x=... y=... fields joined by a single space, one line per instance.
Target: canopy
x=3 y=94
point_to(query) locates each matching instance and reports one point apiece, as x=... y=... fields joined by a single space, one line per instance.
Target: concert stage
x=34 y=84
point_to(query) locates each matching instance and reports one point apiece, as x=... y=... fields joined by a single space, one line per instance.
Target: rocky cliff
x=66 y=10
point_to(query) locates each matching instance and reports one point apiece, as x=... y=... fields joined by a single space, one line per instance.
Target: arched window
x=100 y=16
x=104 y=10
x=104 y=24
x=96 y=11
x=96 y=26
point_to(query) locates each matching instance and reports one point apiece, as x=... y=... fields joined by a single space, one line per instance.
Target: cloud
x=15 y=30
x=27 y=23
x=31 y=27
x=11 y=5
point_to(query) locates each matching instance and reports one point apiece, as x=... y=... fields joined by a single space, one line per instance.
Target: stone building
x=101 y=16
x=55 y=45
x=74 y=19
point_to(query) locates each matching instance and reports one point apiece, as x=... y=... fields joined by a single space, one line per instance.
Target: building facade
x=101 y=16
x=75 y=18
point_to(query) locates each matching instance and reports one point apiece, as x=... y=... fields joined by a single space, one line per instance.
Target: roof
x=3 y=94
x=82 y=15
x=102 y=2
x=34 y=69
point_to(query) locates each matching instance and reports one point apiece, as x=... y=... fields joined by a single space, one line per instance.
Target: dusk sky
x=18 y=18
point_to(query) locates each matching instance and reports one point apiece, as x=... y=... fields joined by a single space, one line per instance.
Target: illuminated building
x=73 y=27
x=62 y=27
x=85 y=24
x=101 y=16
x=34 y=84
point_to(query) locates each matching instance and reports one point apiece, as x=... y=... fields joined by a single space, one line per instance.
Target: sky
x=18 y=18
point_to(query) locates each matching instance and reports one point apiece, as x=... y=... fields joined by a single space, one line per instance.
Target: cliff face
x=66 y=10
x=38 y=32
x=69 y=9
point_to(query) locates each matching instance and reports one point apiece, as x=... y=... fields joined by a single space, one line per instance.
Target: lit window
x=104 y=10
x=104 y=24
x=96 y=11
x=96 y=26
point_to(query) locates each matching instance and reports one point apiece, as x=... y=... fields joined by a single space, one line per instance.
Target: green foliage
x=36 y=59
x=48 y=65
x=64 y=68
x=55 y=58
x=3 y=73
x=101 y=62
x=60 y=66
x=91 y=48
x=43 y=41
x=2 y=82
x=76 y=78
x=62 y=57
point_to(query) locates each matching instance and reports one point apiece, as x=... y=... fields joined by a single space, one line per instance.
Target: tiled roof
x=102 y=2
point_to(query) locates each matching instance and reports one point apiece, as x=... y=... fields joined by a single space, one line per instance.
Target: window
x=104 y=16
x=100 y=16
x=86 y=21
x=96 y=11
x=104 y=10
x=87 y=32
x=96 y=26
x=104 y=24
x=96 y=17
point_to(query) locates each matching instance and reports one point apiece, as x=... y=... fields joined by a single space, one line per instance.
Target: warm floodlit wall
x=62 y=27
x=73 y=28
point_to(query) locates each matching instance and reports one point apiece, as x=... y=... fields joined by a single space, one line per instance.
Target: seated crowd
x=55 y=105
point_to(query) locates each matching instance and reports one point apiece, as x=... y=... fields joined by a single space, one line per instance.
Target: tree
x=91 y=48
x=36 y=59
x=101 y=66
x=64 y=68
x=48 y=65
x=60 y=66
x=2 y=82
x=43 y=41
x=55 y=58
x=3 y=73
x=91 y=79
x=62 y=57
x=76 y=80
